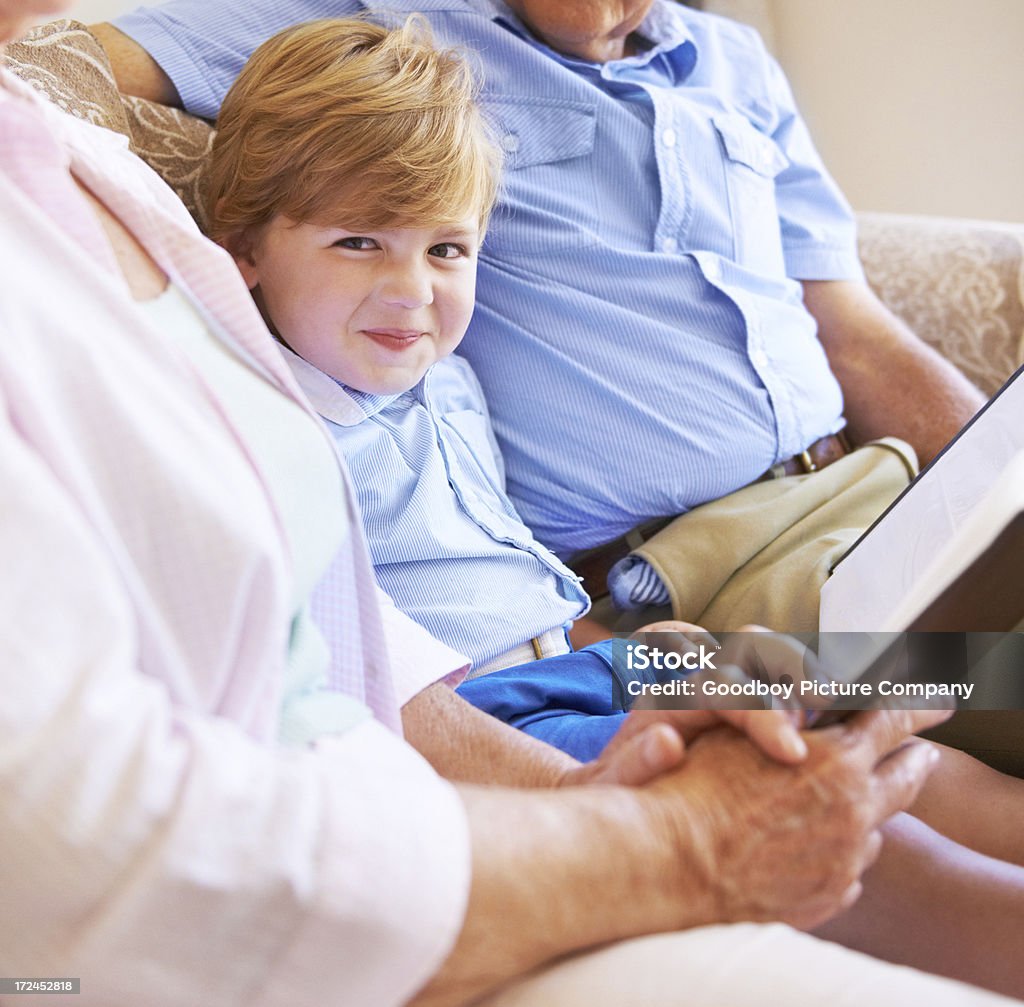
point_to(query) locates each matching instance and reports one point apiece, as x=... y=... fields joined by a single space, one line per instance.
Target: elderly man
x=670 y=305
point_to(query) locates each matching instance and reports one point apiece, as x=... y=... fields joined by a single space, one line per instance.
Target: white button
x=669 y=245
x=669 y=138
x=711 y=270
x=510 y=142
x=759 y=358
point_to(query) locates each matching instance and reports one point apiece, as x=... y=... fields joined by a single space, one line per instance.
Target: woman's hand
x=653 y=741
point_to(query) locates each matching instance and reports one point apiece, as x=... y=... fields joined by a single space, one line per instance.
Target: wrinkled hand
x=640 y=752
x=763 y=841
x=651 y=742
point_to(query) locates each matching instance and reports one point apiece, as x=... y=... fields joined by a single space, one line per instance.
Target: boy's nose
x=406 y=287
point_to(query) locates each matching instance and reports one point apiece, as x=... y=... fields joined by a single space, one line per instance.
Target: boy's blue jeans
x=572 y=701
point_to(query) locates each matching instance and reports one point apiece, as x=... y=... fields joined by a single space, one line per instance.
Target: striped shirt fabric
x=640 y=332
x=446 y=543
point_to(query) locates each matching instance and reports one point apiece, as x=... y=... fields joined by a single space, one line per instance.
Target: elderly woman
x=179 y=541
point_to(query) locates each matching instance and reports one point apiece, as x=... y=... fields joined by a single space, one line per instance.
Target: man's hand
x=790 y=843
x=652 y=742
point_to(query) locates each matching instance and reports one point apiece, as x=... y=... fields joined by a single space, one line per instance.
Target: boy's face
x=373 y=309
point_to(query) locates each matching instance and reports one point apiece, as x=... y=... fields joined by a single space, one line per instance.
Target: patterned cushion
x=959 y=284
x=67 y=64
x=63 y=61
x=176 y=146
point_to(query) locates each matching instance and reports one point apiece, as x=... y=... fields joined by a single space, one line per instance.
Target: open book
x=948 y=554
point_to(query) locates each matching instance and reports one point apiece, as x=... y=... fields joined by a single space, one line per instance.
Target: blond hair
x=341 y=121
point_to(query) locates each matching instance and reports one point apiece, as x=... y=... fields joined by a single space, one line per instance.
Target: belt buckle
x=807 y=461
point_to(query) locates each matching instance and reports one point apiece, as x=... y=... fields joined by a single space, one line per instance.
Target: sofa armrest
x=959 y=284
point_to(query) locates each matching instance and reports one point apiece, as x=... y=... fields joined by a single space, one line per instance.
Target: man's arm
x=135 y=71
x=730 y=836
x=893 y=383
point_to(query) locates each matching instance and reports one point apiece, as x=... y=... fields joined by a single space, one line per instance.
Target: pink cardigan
x=150 y=828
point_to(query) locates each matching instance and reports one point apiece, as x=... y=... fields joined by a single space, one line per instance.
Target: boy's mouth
x=395 y=339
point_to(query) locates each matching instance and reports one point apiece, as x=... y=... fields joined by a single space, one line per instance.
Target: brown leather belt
x=593 y=564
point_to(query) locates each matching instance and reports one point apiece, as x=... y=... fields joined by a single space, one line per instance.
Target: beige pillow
x=64 y=61
x=177 y=146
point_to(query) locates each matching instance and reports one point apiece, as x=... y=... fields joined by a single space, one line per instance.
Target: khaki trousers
x=761 y=555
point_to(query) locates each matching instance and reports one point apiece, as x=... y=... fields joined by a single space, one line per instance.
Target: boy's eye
x=448 y=250
x=355 y=242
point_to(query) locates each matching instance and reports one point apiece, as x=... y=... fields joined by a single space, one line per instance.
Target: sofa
x=959 y=284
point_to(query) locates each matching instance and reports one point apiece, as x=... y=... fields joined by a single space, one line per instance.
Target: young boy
x=352 y=179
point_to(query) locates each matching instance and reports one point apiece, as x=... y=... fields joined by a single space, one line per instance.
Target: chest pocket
x=752 y=161
x=548 y=201
x=473 y=431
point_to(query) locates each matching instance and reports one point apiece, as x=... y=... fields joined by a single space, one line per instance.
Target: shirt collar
x=368 y=402
x=494 y=9
x=672 y=44
x=333 y=400
x=327 y=397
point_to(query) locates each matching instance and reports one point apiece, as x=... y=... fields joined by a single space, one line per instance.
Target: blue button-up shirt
x=446 y=543
x=640 y=333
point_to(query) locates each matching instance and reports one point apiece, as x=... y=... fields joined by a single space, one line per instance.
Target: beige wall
x=916 y=105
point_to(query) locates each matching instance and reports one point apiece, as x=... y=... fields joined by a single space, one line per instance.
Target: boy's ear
x=247 y=268
x=243 y=252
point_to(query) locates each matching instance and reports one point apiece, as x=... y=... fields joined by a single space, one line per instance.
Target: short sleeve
x=202 y=46
x=819 y=234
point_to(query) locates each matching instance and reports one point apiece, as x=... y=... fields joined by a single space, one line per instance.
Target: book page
x=1003 y=502
x=873 y=580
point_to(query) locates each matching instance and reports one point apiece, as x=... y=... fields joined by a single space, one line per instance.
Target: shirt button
x=669 y=245
x=668 y=138
x=759 y=358
x=510 y=143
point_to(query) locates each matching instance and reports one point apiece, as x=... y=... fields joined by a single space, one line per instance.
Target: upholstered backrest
x=959 y=284
x=65 y=62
